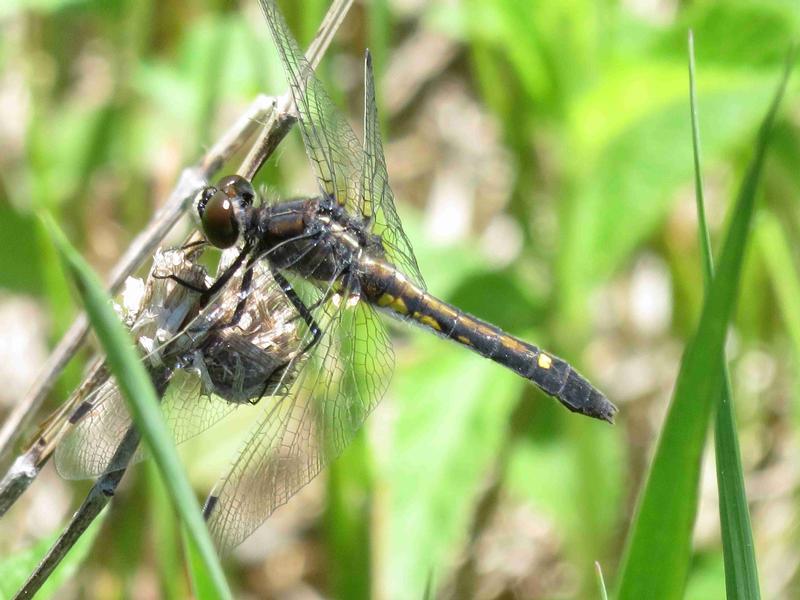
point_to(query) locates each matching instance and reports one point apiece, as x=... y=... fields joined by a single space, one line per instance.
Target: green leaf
x=741 y=573
x=143 y=404
x=15 y=569
x=658 y=548
x=452 y=412
x=347 y=521
x=737 y=33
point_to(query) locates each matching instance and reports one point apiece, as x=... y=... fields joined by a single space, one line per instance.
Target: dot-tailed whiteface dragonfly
x=338 y=257
x=292 y=315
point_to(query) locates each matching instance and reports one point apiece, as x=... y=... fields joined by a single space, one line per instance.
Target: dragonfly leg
x=200 y=289
x=277 y=374
x=208 y=292
x=194 y=244
x=304 y=312
x=300 y=306
x=312 y=307
x=227 y=274
x=244 y=292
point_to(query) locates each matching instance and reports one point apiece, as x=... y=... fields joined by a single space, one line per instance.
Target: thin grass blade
x=138 y=391
x=601 y=582
x=203 y=587
x=166 y=536
x=658 y=550
x=741 y=572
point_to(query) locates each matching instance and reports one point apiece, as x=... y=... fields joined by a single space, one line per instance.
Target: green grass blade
x=601 y=582
x=203 y=587
x=348 y=523
x=166 y=536
x=658 y=548
x=741 y=572
x=137 y=389
x=702 y=223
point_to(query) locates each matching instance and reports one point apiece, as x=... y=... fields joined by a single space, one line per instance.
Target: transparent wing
x=86 y=451
x=336 y=387
x=98 y=426
x=378 y=204
x=330 y=143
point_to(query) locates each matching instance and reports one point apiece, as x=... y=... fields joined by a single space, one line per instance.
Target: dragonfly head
x=220 y=208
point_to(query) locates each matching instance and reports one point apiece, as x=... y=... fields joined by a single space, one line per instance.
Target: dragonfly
x=337 y=258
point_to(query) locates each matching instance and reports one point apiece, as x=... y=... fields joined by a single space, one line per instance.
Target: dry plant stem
x=281 y=120
x=21 y=474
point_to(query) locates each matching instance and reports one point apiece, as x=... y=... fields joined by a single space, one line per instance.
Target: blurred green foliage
x=104 y=102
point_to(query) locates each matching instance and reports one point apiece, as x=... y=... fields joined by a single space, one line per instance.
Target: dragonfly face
x=221 y=210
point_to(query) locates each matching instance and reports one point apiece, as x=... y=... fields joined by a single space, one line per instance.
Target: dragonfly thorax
x=313 y=237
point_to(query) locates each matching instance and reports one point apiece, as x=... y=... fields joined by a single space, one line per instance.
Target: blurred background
x=540 y=153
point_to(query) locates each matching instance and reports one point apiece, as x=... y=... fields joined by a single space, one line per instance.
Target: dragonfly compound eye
x=236 y=186
x=218 y=217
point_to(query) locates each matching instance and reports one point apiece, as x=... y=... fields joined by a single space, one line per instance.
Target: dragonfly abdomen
x=389 y=289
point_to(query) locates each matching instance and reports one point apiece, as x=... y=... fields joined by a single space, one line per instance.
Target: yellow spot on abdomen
x=464 y=340
x=545 y=362
x=385 y=300
x=427 y=320
x=512 y=343
x=393 y=302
